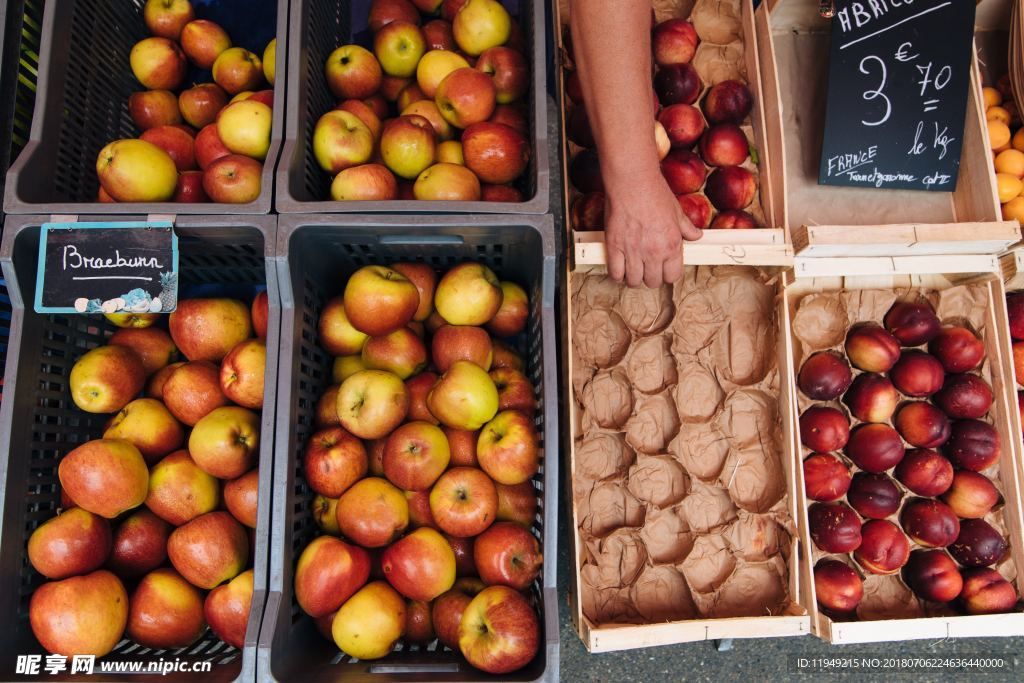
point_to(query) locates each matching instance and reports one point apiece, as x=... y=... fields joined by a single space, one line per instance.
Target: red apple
x=152 y=108
x=508 y=554
x=500 y=631
x=508 y=69
x=333 y=461
x=415 y=455
x=496 y=153
x=420 y=566
x=328 y=572
x=209 y=147
x=464 y=501
x=234 y=179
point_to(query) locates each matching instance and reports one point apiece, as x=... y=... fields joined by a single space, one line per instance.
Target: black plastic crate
x=39 y=422
x=316 y=254
x=84 y=82
x=320 y=26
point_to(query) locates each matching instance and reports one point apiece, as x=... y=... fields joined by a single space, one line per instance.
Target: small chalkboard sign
x=125 y=267
x=897 y=94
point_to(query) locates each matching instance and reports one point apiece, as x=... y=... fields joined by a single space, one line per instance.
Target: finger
x=616 y=264
x=653 y=272
x=687 y=228
x=673 y=267
x=634 y=269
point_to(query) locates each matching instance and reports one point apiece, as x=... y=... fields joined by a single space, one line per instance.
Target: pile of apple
x=688 y=141
x=150 y=491
x=434 y=111
x=422 y=466
x=170 y=161
x=1007 y=140
x=951 y=446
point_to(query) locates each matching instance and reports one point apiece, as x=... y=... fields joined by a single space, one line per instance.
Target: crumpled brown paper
x=717 y=21
x=709 y=563
x=608 y=398
x=666 y=536
x=657 y=480
x=601 y=338
x=677 y=464
x=654 y=424
x=646 y=311
x=650 y=365
x=702 y=450
x=661 y=594
x=601 y=455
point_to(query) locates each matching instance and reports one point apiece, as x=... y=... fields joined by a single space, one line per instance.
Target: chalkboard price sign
x=125 y=267
x=897 y=95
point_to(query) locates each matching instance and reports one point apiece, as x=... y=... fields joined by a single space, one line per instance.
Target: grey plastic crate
x=82 y=102
x=20 y=35
x=39 y=423
x=317 y=28
x=316 y=254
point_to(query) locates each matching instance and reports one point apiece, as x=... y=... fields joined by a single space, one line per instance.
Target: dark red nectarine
x=922 y=424
x=824 y=376
x=957 y=348
x=835 y=527
x=978 y=544
x=985 y=591
x=971 y=495
x=883 y=547
x=824 y=429
x=964 y=396
x=933 y=576
x=973 y=445
x=871 y=348
x=826 y=477
x=874 y=496
x=917 y=374
x=912 y=322
x=875 y=447
x=925 y=472
x=839 y=588
x=930 y=523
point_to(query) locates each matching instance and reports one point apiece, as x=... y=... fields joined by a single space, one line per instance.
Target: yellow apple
x=464 y=398
x=136 y=171
x=447 y=182
x=270 y=61
x=369 y=623
x=341 y=140
x=481 y=24
x=434 y=66
x=244 y=128
x=450 y=152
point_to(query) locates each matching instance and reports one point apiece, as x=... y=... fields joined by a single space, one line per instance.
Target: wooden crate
x=763 y=246
x=614 y=637
x=798 y=61
x=816 y=275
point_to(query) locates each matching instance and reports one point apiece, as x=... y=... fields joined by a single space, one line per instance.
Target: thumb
x=689 y=232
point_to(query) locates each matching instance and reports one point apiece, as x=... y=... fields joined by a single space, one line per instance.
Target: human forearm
x=611 y=41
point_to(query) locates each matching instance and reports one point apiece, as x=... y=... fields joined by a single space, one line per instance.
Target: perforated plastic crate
x=316 y=254
x=320 y=26
x=39 y=423
x=84 y=83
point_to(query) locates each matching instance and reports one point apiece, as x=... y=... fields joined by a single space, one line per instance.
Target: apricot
x=1010 y=162
x=998 y=134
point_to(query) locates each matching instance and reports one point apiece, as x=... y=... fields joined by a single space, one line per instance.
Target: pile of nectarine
x=430 y=112
x=703 y=155
x=151 y=505
x=900 y=464
x=422 y=462
x=1007 y=139
x=170 y=161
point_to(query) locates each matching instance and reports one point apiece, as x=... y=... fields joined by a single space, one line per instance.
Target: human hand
x=644 y=231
